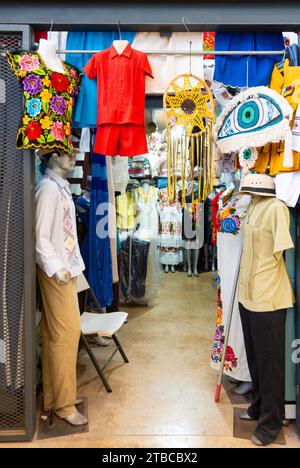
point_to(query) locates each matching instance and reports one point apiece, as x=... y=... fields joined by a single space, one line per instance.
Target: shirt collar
x=126 y=52
x=63 y=183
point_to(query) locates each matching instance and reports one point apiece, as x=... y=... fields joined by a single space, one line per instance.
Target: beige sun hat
x=258 y=184
x=44 y=152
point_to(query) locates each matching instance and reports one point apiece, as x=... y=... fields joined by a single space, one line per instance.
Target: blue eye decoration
x=254 y=118
x=250 y=116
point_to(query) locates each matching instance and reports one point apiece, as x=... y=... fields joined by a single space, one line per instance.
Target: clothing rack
x=185 y=52
x=180 y=52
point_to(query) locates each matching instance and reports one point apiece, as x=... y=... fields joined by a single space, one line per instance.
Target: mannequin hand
x=62 y=276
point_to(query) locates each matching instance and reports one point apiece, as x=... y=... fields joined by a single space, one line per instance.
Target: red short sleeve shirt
x=121 y=85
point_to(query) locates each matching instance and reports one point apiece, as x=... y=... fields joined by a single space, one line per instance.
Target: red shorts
x=121 y=140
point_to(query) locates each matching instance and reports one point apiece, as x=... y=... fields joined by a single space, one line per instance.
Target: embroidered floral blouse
x=48 y=102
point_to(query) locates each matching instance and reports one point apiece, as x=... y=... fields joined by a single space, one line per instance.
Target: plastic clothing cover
x=140 y=269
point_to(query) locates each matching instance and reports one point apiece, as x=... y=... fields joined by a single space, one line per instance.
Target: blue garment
x=99 y=253
x=232 y=69
x=86 y=109
x=95 y=249
x=293 y=54
x=85 y=219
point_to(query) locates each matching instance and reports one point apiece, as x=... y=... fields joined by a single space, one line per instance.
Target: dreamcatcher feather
x=189 y=106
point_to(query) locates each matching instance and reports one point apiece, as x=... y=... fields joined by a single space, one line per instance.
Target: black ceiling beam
x=146 y=16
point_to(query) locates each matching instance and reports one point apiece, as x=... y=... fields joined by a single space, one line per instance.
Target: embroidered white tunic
x=56 y=235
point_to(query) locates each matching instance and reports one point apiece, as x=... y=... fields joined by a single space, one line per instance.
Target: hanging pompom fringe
x=189 y=106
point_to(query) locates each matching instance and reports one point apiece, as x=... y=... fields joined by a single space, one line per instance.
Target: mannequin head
x=60 y=162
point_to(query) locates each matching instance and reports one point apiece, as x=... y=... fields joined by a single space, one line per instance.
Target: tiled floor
x=165 y=396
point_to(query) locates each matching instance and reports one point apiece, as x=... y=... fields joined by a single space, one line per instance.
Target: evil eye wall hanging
x=252 y=119
x=247 y=158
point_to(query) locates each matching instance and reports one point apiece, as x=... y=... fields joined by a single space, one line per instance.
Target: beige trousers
x=60 y=339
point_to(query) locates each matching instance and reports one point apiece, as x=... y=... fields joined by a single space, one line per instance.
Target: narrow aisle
x=165 y=396
x=166 y=393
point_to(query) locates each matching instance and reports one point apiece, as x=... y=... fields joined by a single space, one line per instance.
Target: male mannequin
x=47 y=50
x=59 y=262
x=265 y=294
x=120 y=46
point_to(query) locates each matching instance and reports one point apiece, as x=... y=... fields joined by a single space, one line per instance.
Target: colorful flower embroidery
x=28 y=62
x=46 y=95
x=46 y=123
x=33 y=131
x=70 y=89
x=59 y=82
x=230 y=356
x=68 y=128
x=225 y=213
x=48 y=102
x=26 y=120
x=58 y=131
x=231 y=361
x=75 y=91
x=230 y=225
x=73 y=74
x=46 y=82
x=34 y=107
x=32 y=84
x=58 y=105
x=228 y=221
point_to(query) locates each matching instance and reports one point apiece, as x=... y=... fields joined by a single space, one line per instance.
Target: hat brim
x=259 y=192
x=43 y=152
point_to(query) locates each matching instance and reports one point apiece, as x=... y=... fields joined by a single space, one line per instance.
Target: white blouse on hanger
x=166 y=67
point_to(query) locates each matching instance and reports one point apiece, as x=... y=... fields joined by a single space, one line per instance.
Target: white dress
x=170 y=230
x=147 y=217
x=230 y=238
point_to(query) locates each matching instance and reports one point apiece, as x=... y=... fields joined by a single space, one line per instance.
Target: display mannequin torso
x=47 y=50
x=62 y=165
x=120 y=46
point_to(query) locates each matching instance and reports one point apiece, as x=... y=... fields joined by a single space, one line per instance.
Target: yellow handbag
x=286 y=81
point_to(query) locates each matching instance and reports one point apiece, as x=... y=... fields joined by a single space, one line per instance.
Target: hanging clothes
x=85 y=114
x=134 y=254
x=147 y=213
x=121 y=100
x=215 y=206
x=126 y=211
x=120 y=173
x=241 y=70
x=284 y=80
x=230 y=238
x=192 y=222
x=170 y=229
x=48 y=102
x=167 y=67
x=112 y=221
x=99 y=256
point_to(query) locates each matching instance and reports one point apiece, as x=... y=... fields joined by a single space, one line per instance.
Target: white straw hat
x=258 y=184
